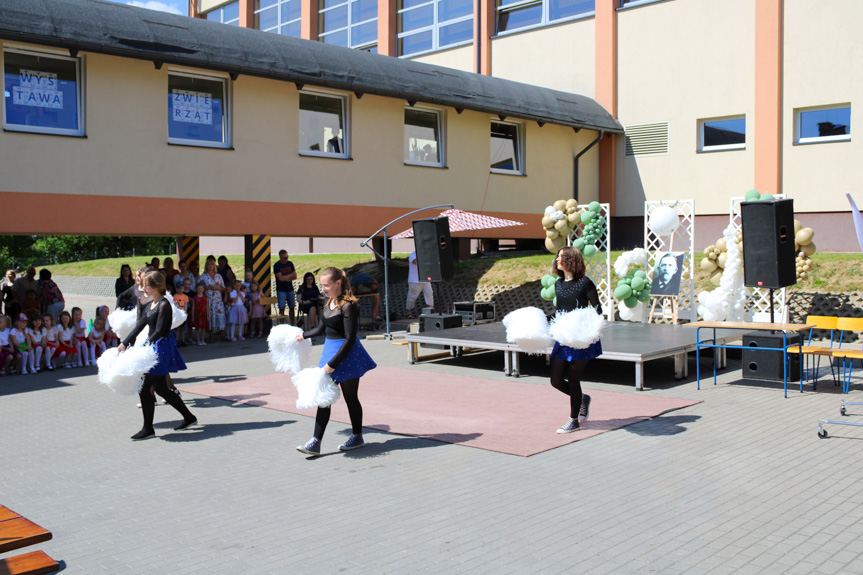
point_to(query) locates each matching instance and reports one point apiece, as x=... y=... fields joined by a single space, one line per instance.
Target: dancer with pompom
x=157 y=316
x=344 y=357
x=574 y=291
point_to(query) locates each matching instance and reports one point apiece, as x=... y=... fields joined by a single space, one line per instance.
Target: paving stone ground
x=739 y=483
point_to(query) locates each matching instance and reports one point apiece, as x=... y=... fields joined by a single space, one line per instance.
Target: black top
x=576 y=293
x=310 y=294
x=122 y=285
x=159 y=320
x=339 y=323
x=285 y=269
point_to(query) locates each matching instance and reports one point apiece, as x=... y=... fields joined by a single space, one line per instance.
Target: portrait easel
x=667 y=311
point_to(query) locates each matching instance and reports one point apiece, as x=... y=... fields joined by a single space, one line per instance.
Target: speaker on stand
x=434 y=249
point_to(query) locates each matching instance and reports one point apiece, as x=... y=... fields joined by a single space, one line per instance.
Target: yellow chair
x=819 y=351
x=848 y=324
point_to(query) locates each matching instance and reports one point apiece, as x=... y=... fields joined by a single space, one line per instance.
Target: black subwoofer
x=767 y=364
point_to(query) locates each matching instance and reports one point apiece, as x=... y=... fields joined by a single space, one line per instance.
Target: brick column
x=484 y=14
x=387 y=43
x=606 y=94
x=309 y=23
x=247 y=13
x=767 y=132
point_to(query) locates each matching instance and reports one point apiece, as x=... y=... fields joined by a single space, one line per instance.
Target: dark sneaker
x=584 y=412
x=144 y=434
x=186 y=424
x=353 y=442
x=570 y=426
x=312 y=447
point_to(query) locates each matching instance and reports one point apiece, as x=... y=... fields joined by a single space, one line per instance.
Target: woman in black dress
x=344 y=358
x=573 y=291
x=157 y=315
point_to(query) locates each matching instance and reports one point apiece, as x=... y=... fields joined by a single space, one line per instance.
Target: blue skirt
x=170 y=360
x=355 y=365
x=567 y=353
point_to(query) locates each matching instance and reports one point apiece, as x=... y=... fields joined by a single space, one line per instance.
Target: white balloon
x=549 y=210
x=663 y=220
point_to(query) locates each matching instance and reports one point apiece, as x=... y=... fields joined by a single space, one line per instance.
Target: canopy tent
x=461 y=221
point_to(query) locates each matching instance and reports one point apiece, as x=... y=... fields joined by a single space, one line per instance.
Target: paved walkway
x=737 y=484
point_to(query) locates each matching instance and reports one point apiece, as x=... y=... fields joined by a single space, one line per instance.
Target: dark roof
x=120 y=30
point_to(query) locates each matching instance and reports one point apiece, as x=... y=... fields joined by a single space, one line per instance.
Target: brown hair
x=572 y=261
x=336 y=274
x=155 y=280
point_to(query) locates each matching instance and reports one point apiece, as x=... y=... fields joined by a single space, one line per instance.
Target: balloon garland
x=564 y=217
x=547 y=292
x=633 y=287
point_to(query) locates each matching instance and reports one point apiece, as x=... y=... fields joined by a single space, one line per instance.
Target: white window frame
x=434 y=27
x=798 y=128
x=226 y=131
x=221 y=11
x=441 y=129
x=346 y=132
x=79 y=83
x=545 y=21
x=351 y=24
x=635 y=3
x=277 y=29
x=703 y=148
x=519 y=151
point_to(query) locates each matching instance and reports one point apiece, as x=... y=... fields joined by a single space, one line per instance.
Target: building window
x=823 y=124
x=323 y=125
x=519 y=14
x=423 y=142
x=197 y=110
x=42 y=93
x=506 y=149
x=279 y=16
x=349 y=23
x=428 y=25
x=628 y=3
x=722 y=134
x=227 y=14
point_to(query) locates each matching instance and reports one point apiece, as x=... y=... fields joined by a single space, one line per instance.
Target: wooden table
x=17 y=532
x=785 y=328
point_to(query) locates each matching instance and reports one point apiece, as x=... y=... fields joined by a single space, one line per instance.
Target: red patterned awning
x=461 y=221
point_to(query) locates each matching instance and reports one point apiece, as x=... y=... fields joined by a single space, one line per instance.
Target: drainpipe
x=575 y=164
x=478 y=36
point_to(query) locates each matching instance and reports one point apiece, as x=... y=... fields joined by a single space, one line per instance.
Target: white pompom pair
x=315 y=388
x=529 y=330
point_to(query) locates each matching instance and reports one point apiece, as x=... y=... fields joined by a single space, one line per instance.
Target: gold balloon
x=559 y=205
x=561 y=225
x=720 y=245
x=715 y=277
x=571 y=203
x=720 y=261
x=553 y=245
x=547 y=222
x=712 y=255
x=808 y=249
x=804 y=236
x=708 y=265
x=797 y=226
x=553 y=234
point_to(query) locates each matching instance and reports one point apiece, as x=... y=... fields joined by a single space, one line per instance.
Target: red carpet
x=504 y=416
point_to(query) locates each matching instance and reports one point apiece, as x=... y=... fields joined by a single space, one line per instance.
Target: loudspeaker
x=767 y=364
x=434 y=249
x=438 y=321
x=768 y=243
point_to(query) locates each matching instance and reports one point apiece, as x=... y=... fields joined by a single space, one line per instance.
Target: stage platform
x=636 y=343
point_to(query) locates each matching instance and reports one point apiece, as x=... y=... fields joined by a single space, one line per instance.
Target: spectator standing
x=125 y=281
x=415 y=286
x=181 y=298
x=182 y=275
x=53 y=301
x=25 y=283
x=214 y=287
x=10 y=302
x=285 y=276
x=170 y=273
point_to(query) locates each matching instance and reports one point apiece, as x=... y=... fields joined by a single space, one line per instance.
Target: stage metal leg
x=681 y=365
x=412 y=353
x=722 y=358
x=516 y=370
x=639 y=376
x=507 y=369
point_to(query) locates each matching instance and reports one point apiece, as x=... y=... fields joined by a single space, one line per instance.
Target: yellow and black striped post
x=189 y=250
x=258 y=260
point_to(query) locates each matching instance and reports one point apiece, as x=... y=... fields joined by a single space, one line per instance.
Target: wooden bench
x=269 y=304
x=17 y=532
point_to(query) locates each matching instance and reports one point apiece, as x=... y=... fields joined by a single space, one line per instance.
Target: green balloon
x=630 y=302
x=587 y=217
x=627 y=280
x=623 y=292
x=766 y=196
x=547 y=293
x=644 y=294
x=547 y=280
x=595 y=207
x=640 y=274
x=589 y=251
x=637 y=283
x=578 y=244
x=752 y=195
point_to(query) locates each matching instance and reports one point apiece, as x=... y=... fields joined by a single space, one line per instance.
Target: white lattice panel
x=758 y=302
x=681 y=240
x=598 y=268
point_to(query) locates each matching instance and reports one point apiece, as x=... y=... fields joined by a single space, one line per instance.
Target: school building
x=328 y=118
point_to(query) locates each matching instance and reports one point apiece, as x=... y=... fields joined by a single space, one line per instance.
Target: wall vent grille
x=647 y=139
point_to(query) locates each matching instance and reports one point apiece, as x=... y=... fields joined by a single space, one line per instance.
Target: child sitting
x=80 y=337
x=8 y=352
x=36 y=332
x=66 y=337
x=96 y=338
x=52 y=341
x=19 y=340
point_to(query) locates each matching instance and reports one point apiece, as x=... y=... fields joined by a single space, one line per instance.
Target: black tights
x=566 y=377
x=159 y=384
x=350 y=388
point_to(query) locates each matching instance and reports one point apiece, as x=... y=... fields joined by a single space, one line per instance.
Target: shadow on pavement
x=659 y=426
x=375 y=449
x=205 y=431
x=12 y=384
x=207 y=379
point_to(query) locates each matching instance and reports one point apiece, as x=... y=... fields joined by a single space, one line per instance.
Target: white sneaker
x=24 y=372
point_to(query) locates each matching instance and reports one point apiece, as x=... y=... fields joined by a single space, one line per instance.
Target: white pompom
x=122 y=322
x=142 y=337
x=578 y=328
x=663 y=220
x=124 y=372
x=179 y=316
x=315 y=388
x=527 y=328
x=287 y=354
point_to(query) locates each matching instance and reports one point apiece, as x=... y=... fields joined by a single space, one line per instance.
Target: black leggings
x=566 y=377
x=159 y=383
x=350 y=388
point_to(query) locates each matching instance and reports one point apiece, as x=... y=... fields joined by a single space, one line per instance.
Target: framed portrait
x=667 y=273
